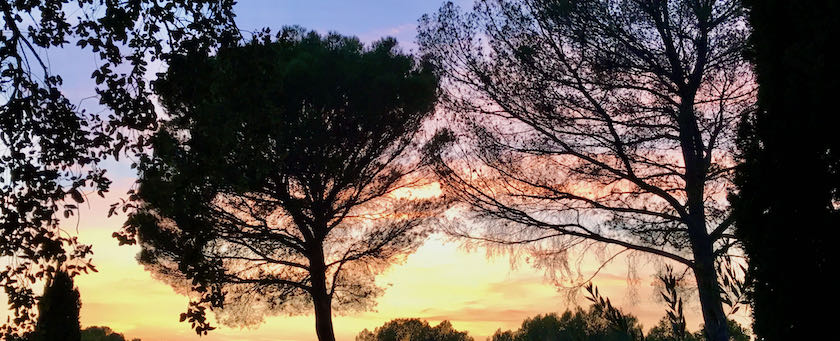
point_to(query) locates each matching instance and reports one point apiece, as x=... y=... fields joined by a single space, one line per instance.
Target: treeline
x=600 y=322
x=580 y=324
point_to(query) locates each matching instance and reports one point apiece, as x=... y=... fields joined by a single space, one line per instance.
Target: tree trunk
x=323 y=316
x=321 y=298
x=708 y=288
x=702 y=247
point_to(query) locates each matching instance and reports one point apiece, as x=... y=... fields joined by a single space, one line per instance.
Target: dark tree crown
x=271 y=183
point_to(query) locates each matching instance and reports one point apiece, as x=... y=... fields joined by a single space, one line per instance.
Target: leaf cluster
x=50 y=147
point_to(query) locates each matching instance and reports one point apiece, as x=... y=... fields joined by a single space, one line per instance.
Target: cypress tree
x=58 y=317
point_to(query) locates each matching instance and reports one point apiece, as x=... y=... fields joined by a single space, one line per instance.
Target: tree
x=415 y=330
x=595 y=121
x=788 y=179
x=570 y=326
x=49 y=147
x=102 y=334
x=603 y=322
x=275 y=184
x=663 y=331
x=58 y=310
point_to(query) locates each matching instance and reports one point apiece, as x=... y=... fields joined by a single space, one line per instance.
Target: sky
x=441 y=281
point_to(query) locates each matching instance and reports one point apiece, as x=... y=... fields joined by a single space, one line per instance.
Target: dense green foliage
x=268 y=190
x=58 y=311
x=789 y=177
x=49 y=147
x=414 y=330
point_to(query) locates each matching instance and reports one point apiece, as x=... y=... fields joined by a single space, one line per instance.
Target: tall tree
x=281 y=181
x=595 y=121
x=58 y=311
x=788 y=200
x=49 y=147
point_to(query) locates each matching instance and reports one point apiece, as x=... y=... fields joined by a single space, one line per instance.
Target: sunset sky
x=442 y=281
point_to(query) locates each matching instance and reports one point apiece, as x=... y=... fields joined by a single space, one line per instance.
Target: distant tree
x=102 y=334
x=50 y=147
x=590 y=325
x=663 y=331
x=58 y=311
x=275 y=183
x=414 y=330
x=602 y=322
x=787 y=204
x=595 y=121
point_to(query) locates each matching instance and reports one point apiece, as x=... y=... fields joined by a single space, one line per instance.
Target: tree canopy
x=102 y=334
x=415 y=330
x=593 y=325
x=578 y=325
x=592 y=121
x=275 y=185
x=50 y=148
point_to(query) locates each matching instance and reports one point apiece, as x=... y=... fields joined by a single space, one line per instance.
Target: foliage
x=624 y=325
x=414 y=330
x=593 y=121
x=58 y=310
x=603 y=321
x=664 y=331
x=674 y=314
x=102 y=334
x=273 y=185
x=570 y=326
x=49 y=147
x=788 y=180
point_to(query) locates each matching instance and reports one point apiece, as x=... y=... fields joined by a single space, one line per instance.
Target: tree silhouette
x=673 y=327
x=663 y=331
x=415 y=330
x=602 y=322
x=595 y=122
x=102 y=334
x=571 y=326
x=789 y=180
x=58 y=311
x=789 y=177
x=275 y=184
x=49 y=147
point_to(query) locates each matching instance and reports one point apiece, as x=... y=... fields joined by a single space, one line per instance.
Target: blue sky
x=367 y=19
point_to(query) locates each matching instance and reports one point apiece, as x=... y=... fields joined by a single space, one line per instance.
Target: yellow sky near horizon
x=441 y=281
